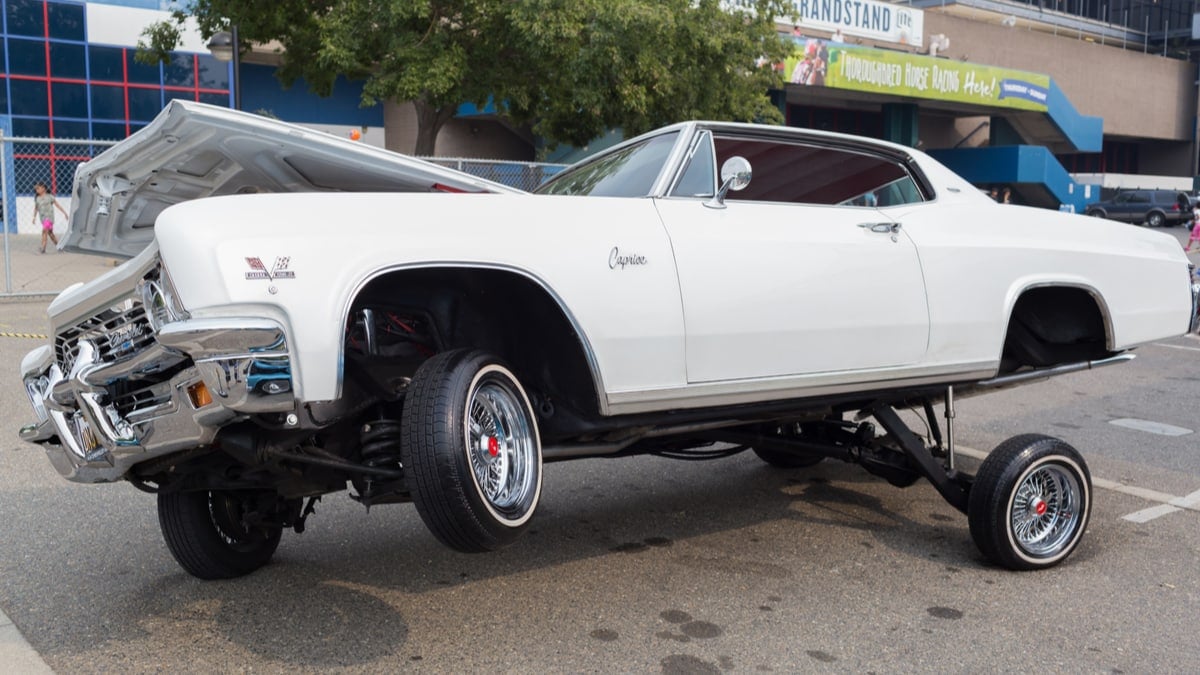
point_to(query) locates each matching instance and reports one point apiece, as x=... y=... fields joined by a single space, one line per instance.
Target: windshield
x=628 y=172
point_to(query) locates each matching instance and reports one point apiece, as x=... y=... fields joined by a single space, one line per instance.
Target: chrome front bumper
x=103 y=417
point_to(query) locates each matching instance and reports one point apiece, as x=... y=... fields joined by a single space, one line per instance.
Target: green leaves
x=571 y=69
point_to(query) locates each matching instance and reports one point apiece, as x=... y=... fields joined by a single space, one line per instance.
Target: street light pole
x=225 y=47
x=237 y=70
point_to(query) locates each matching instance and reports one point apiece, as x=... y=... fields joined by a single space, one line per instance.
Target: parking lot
x=644 y=564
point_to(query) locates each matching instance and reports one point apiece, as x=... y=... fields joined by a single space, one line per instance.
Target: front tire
x=471 y=451
x=207 y=533
x=1030 y=502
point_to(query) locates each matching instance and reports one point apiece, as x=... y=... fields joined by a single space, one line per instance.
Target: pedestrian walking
x=44 y=205
x=1195 y=238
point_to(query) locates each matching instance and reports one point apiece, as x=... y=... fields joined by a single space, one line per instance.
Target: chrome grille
x=146 y=398
x=117 y=332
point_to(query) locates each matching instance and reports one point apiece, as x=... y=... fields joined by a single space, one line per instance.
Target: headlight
x=160 y=300
x=36 y=388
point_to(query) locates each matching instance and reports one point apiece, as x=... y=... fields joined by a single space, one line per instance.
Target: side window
x=1139 y=198
x=699 y=179
x=1121 y=198
x=804 y=173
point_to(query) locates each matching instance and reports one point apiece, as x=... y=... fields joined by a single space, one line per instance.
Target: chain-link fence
x=32 y=265
x=523 y=175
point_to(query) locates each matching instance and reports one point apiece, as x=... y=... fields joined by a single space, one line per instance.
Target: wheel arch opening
x=1052 y=325
x=506 y=313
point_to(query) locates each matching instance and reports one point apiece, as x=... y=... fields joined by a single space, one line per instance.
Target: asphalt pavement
x=635 y=565
x=25 y=271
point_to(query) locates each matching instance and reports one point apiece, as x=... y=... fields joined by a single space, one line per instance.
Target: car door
x=1135 y=207
x=796 y=274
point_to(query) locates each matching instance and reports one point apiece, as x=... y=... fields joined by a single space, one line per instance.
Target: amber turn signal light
x=199 y=395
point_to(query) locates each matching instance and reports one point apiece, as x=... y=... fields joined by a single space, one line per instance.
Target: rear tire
x=1030 y=502
x=471 y=452
x=1156 y=219
x=207 y=535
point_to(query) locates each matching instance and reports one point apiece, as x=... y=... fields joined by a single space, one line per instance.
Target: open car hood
x=193 y=150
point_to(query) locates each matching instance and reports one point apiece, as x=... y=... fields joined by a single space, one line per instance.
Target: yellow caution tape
x=31 y=336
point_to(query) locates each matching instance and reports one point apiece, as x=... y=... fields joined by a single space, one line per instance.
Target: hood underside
x=192 y=150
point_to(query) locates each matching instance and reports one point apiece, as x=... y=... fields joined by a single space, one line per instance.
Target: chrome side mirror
x=735 y=175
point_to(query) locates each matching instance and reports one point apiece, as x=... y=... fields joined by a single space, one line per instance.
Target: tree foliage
x=569 y=68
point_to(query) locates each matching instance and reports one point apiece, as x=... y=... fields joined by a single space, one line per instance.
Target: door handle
x=882 y=228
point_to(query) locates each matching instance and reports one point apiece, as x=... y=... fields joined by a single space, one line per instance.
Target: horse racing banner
x=839 y=66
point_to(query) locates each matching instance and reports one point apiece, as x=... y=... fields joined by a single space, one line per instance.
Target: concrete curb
x=16 y=656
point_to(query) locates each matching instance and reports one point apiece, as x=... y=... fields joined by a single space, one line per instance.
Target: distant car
x=1156 y=208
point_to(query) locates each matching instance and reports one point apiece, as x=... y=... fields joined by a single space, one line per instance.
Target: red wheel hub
x=493 y=447
x=1040 y=507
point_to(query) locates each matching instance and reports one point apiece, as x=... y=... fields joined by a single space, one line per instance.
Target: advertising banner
x=838 y=66
x=871 y=19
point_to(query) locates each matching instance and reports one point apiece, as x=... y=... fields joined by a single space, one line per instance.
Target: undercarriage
x=234 y=461
x=265 y=480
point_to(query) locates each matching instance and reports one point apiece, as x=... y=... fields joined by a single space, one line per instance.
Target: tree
x=569 y=68
x=639 y=65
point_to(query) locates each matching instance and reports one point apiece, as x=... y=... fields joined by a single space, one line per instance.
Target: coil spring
x=379 y=443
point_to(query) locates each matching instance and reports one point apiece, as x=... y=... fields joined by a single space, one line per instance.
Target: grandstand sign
x=872 y=19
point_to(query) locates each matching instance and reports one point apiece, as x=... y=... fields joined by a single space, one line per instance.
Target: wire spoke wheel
x=1045 y=509
x=1030 y=502
x=470 y=449
x=500 y=446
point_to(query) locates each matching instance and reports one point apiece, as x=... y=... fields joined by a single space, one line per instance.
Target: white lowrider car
x=426 y=336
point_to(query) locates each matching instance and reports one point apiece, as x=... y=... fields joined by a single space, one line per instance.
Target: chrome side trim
x=825 y=384
x=1044 y=373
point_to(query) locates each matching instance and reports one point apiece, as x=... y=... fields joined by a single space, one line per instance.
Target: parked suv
x=1153 y=207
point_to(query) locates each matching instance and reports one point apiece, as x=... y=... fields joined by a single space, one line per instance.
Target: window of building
x=221 y=99
x=214 y=74
x=144 y=104
x=27 y=57
x=141 y=73
x=70 y=129
x=108 y=131
x=65 y=21
x=30 y=127
x=68 y=60
x=28 y=97
x=108 y=102
x=69 y=100
x=106 y=63
x=25 y=17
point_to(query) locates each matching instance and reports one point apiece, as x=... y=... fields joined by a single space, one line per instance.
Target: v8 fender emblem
x=278 y=271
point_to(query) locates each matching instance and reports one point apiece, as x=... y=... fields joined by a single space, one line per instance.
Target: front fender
x=302 y=258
